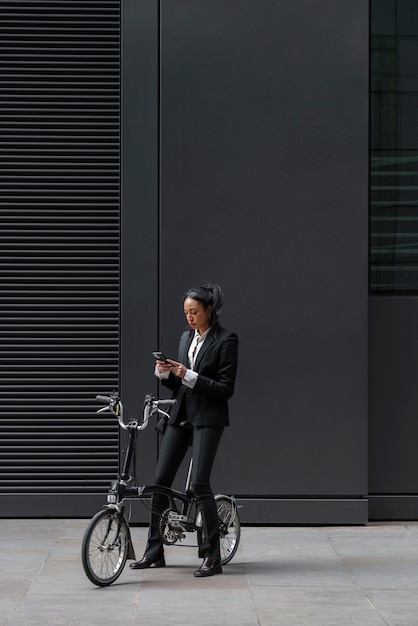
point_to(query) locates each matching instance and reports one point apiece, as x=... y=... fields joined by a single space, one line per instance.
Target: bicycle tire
x=105 y=547
x=229 y=527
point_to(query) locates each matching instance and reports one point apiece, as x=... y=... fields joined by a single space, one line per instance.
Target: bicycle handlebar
x=103 y=399
x=151 y=406
x=163 y=402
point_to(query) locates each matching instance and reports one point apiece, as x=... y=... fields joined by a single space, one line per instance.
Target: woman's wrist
x=190 y=378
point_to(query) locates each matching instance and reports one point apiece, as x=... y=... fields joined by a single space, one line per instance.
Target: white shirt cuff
x=161 y=375
x=190 y=378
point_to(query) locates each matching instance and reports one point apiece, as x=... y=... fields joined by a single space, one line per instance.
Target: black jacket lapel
x=184 y=346
x=206 y=344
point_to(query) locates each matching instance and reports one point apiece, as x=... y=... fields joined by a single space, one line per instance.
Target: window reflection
x=394 y=146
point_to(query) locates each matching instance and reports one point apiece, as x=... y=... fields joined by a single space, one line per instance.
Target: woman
x=202 y=381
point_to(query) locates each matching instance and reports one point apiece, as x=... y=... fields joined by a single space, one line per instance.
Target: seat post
x=189 y=476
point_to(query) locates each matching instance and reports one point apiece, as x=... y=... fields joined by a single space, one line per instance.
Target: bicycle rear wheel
x=229 y=527
x=105 y=547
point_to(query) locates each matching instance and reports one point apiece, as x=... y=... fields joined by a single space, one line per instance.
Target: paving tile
x=180 y=578
x=207 y=607
x=312 y=571
x=19 y=563
x=62 y=577
x=295 y=606
x=379 y=556
x=11 y=593
x=397 y=606
x=282 y=556
x=66 y=548
x=319 y=576
x=378 y=576
x=68 y=610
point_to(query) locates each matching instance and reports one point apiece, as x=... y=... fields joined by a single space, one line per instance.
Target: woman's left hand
x=178 y=368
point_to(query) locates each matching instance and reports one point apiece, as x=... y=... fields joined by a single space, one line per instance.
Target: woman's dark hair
x=209 y=295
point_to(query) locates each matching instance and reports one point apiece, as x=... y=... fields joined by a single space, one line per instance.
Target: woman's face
x=197 y=316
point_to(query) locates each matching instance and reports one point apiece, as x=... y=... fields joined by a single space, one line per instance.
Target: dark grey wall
x=256 y=179
x=393 y=430
x=140 y=215
x=264 y=189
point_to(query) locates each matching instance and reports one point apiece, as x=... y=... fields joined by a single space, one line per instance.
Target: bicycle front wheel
x=105 y=547
x=229 y=527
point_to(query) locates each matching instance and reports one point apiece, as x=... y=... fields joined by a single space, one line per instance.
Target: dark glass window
x=394 y=146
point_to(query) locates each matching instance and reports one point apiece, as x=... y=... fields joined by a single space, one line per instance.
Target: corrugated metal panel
x=59 y=243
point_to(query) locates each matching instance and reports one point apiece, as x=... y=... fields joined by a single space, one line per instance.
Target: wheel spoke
x=229 y=527
x=105 y=547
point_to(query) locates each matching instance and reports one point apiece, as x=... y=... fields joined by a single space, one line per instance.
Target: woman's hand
x=177 y=368
x=164 y=367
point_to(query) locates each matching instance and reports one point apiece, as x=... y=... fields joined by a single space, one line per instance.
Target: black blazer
x=207 y=403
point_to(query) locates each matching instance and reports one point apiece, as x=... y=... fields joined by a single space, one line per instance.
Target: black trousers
x=176 y=442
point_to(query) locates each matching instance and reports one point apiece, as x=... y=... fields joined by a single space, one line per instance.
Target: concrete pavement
x=314 y=576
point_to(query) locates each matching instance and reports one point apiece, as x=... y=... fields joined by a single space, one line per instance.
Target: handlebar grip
x=103 y=399
x=166 y=402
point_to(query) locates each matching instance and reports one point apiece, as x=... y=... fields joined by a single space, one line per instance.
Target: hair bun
x=209 y=294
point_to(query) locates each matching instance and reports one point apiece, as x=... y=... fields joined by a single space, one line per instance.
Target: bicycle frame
x=120 y=489
x=107 y=542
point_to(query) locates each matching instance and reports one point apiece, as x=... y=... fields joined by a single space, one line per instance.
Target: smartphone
x=159 y=356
